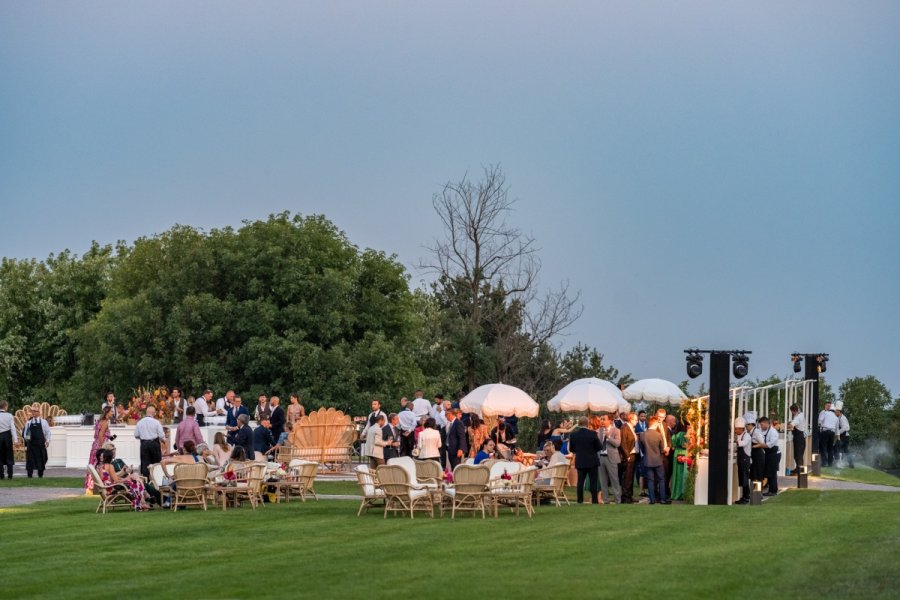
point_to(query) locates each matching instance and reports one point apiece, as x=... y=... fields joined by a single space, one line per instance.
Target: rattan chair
x=372 y=494
x=429 y=473
x=468 y=490
x=515 y=493
x=247 y=483
x=300 y=479
x=112 y=495
x=411 y=466
x=551 y=483
x=189 y=485
x=400 y=494
x=161 y=479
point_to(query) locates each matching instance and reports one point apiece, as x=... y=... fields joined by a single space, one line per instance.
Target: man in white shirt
x=843 y=434
x=8 y=438
x=420 y=406
x=224 y=403
x=408 y=424
x=743 y=459
x=37 y=440
x=201 y=405
x=797 y=425
x=111 y=403
x=773 y=455
x=828 y=426
x=610 y=440
x=150 y=432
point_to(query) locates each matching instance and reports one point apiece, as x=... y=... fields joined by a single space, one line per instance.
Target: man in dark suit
x=391 y=432
x=277 y=417
x=457 y=439
x=585 y=444
x=243 y=436
x=262 y=437
x=654 y=455
x=233 y=412
x=630 y=454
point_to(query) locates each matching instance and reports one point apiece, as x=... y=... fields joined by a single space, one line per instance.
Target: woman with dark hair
x=101 y=437
x=544 y=433
x=295 y=410
x=429 y=442
x=478 y=433
x=485 y=452
x=130 y=482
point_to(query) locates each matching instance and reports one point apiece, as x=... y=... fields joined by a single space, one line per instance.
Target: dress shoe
x=743 y=501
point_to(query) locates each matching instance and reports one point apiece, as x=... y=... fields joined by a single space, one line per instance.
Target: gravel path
x=27 y=495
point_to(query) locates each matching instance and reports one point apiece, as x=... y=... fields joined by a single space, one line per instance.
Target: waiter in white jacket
x=828 y=426
x=843 y=434
x=797 y=427
x=743 y=459
x=773 y=455
x=9 y=437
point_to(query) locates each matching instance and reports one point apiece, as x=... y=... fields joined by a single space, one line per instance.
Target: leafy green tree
x=866 y=404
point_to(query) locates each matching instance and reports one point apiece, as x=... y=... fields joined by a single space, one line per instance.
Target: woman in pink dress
x=101 y=436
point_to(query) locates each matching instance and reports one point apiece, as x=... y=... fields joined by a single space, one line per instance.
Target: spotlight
x=739 y=365
x=797 y=360
x=822 y=359
x=694 y=364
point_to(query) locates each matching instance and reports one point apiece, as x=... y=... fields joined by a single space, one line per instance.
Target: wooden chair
x=189 y=485
x=516 y=494
x=300 y=478
x=468 y=490
x=551 y=483
x=161 y=479
x=112 y=496
x=247 y=483
x=371 y=492
x=400 y=494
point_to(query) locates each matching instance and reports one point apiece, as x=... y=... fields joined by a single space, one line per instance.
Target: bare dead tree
x=481 y=254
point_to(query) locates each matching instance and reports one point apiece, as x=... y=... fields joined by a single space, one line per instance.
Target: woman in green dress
x=679 y=468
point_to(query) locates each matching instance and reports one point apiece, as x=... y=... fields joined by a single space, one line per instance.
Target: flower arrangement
x=145 y=397
x=694 y=413
x=506 y=476
x=448 y=476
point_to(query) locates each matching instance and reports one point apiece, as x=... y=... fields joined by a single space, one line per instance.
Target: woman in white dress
x=429 y=443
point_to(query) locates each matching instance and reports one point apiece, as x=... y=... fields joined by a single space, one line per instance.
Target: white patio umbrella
x=656 y=391
x=499 y=400
x=589 y=394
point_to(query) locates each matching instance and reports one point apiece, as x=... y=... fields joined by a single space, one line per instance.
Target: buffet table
x=70 y=445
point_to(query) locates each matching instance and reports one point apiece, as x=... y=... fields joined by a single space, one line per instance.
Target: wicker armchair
x=468 y=490
x=551 y=483
x=400 y=494
x=429 y=473
x=247 y=483
x=189 y=485
x=372 y=494
x=300 y=479
x=515 y=492
x=112 y=496
x=161 y=479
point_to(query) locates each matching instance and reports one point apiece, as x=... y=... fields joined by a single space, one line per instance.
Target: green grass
x=322 y=550
x=861 y=474
x=47 y=482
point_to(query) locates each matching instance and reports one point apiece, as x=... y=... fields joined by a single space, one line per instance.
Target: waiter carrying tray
x=151 y=434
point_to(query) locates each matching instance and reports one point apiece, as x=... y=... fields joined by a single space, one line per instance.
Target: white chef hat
x=739 y=422
x=750 y=417
x=838 y=405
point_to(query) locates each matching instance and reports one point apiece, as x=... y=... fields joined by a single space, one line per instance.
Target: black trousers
x=743 y=468
x=826 y=447
x=628 y=477
x=773 y=459
x=453 y=460
x=151 y=453
x=799 y=447
x=844 y=445
x=591 y=475
x=7 y=454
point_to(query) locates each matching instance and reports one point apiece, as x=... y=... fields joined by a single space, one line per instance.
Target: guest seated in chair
x=486 y=451
x=221 y=449
x=187 y=455
x=552 y=455
x=131 y=482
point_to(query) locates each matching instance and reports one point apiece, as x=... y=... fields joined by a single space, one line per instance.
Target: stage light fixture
x=739 y=365
x=797 y=360
x=694 y=364
x=822 y=359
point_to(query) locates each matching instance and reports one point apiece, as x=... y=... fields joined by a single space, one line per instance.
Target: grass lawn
x=322 y=550
x=861 y=474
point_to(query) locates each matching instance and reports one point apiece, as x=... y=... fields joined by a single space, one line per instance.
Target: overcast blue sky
x=712 y=174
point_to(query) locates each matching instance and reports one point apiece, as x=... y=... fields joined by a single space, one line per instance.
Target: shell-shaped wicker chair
x=468 y=490
x=112 y=496
x=515 y=492
x=400 y=494
x=189 y=485
x=550 y=482
x=300 y=479
x=372 y=494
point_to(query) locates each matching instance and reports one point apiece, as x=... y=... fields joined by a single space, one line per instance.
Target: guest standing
x=179 y=406
x=375 y=442
x=630 y=456
x=110 y=403
x=263 y=442
x=610 y=440
x=101 y=437
x=654 y=454
x=585 y=444
x=242 y=436
x=429 y=442
x=457 y=440
x=277 y=419
x=478 y=433
x=9 y=437
x=150 y=432
x=37 y=440
x=295 y=410
x=391 y=433
x=188 y=430
x=231 y=414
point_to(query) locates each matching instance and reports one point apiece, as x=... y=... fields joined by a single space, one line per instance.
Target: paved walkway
x=18 y=496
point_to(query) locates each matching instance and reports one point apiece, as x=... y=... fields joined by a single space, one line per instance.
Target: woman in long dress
x=478 y=433
x=679 y=468
x=101 y=436
x=130 y=482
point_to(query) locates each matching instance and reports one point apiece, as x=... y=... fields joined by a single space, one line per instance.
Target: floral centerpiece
x=144 y=397
x=694 y=412
x=448 y=477
x=506 y=479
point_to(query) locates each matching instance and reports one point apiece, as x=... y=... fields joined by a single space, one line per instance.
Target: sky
x=721 y=175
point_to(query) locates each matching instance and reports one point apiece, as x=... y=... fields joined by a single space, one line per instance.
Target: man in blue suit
x=457 y=439
x=233 y=412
